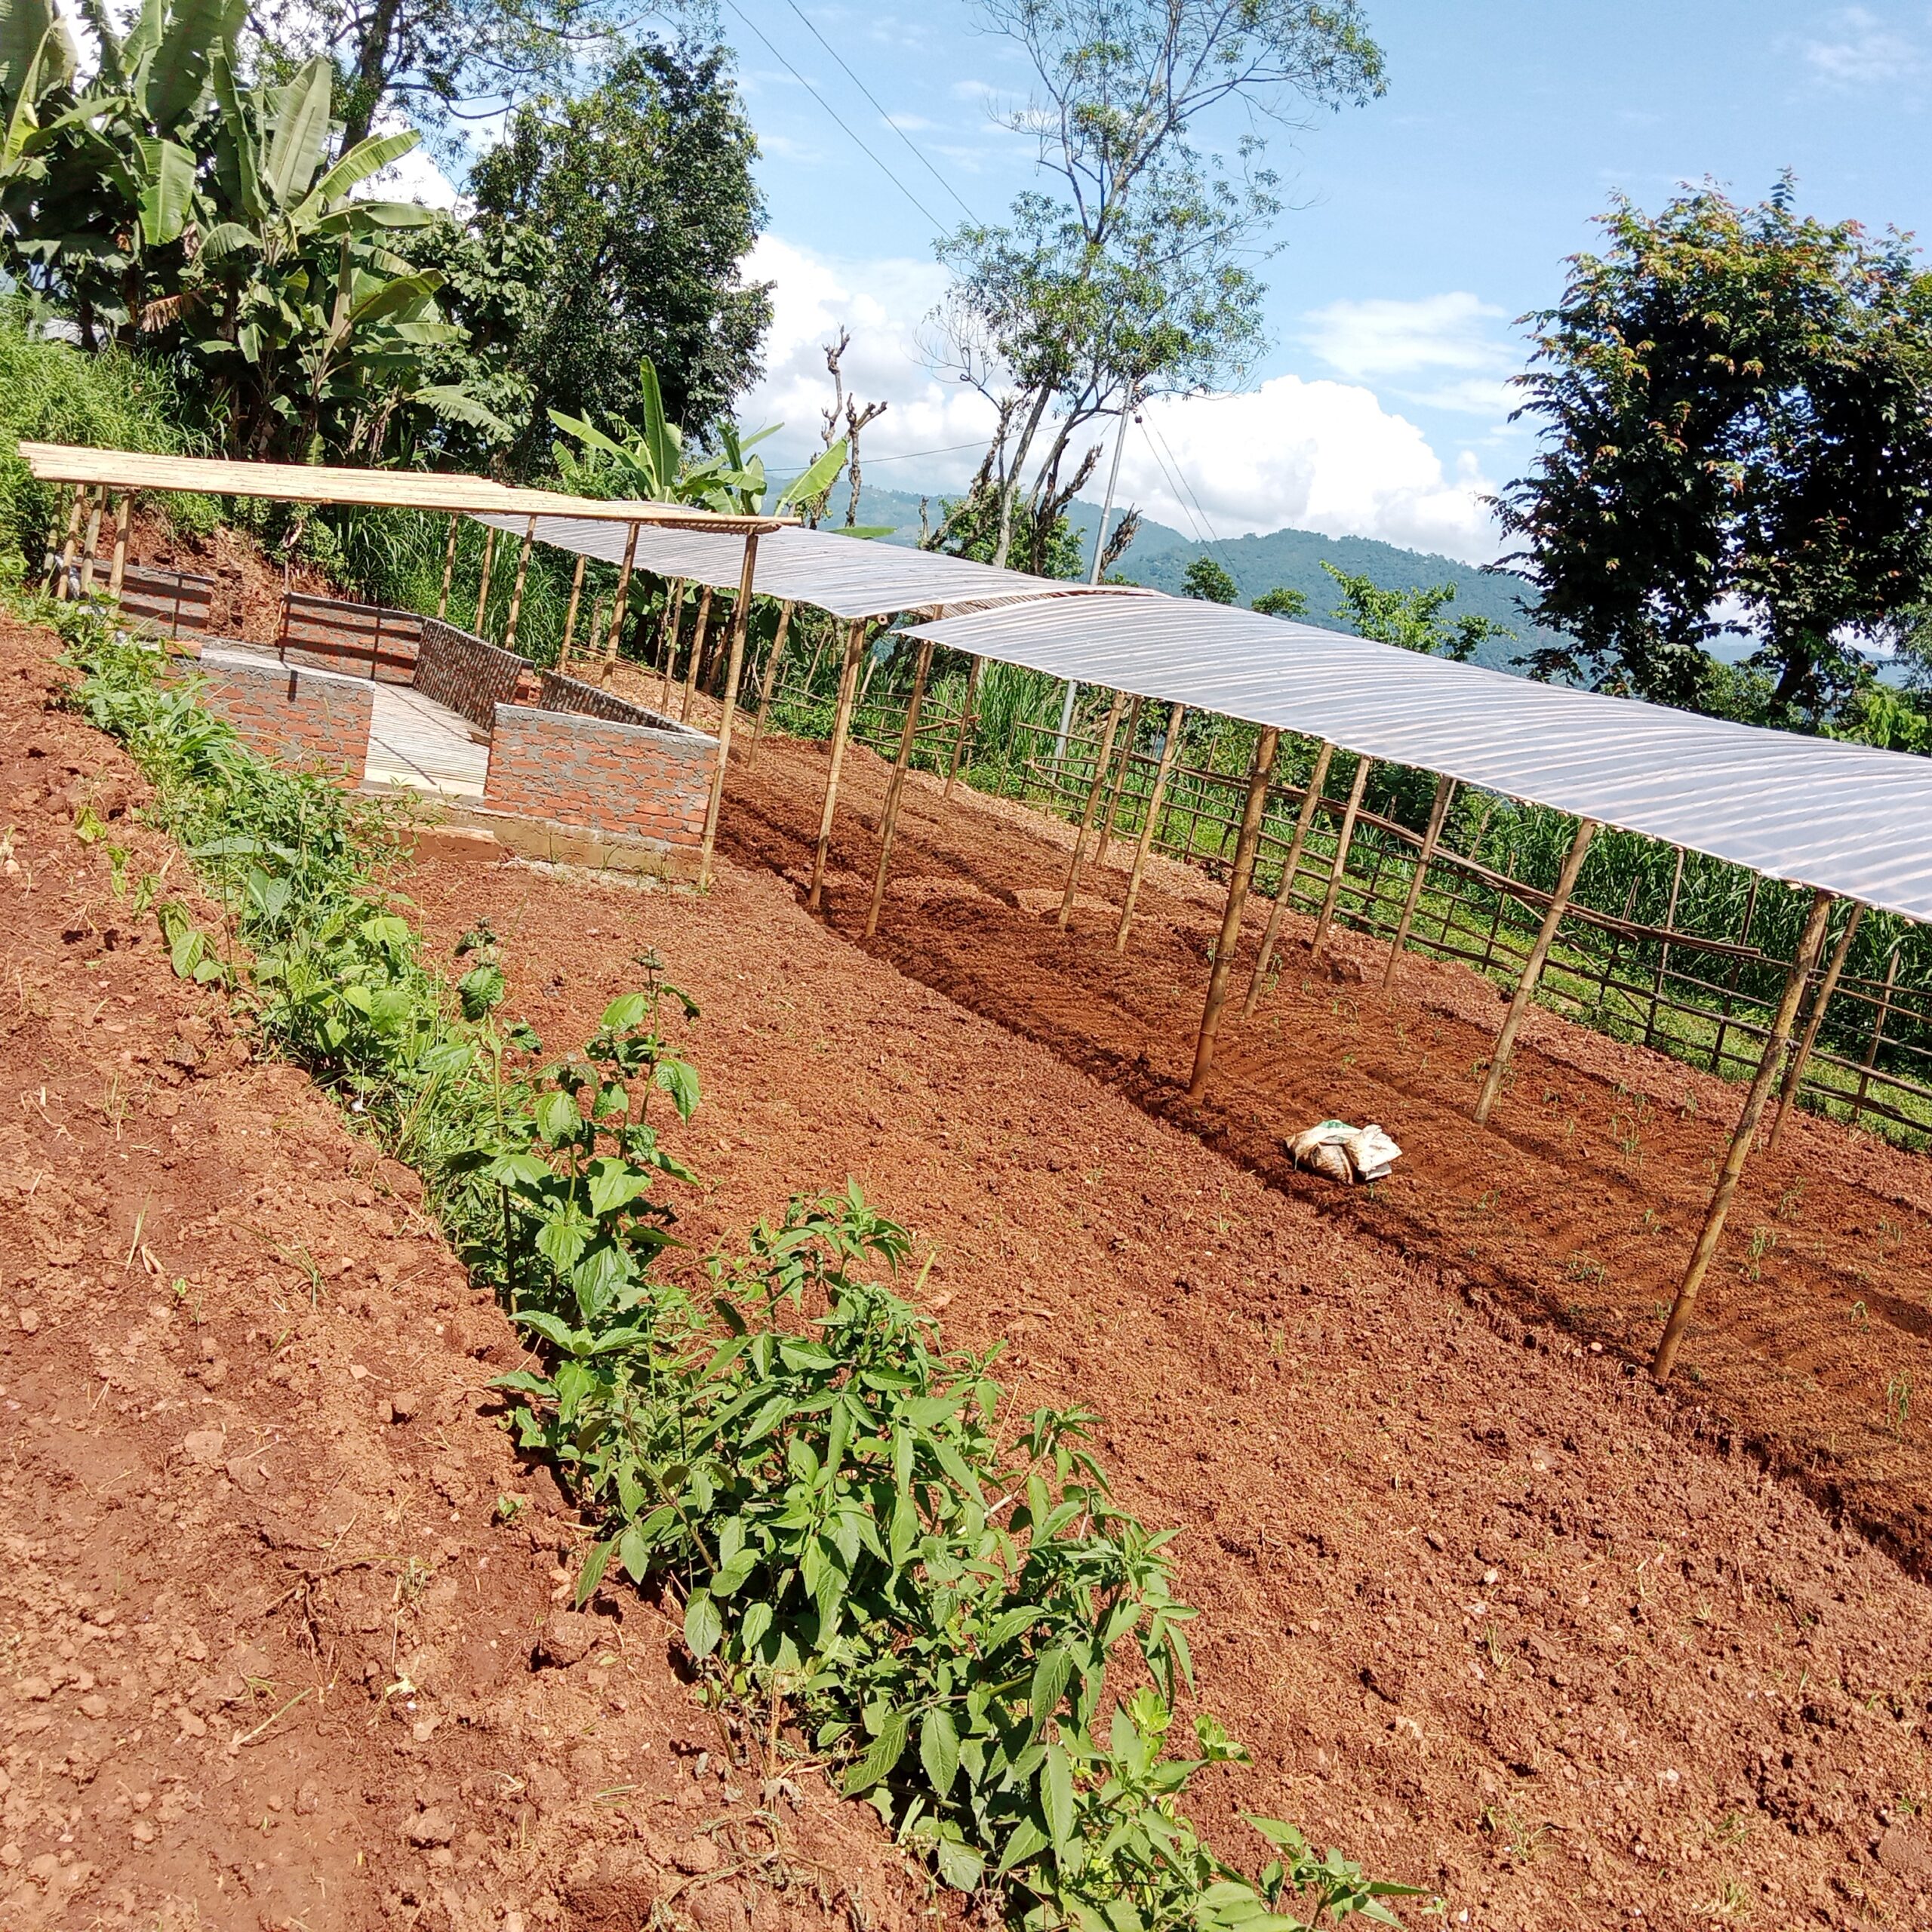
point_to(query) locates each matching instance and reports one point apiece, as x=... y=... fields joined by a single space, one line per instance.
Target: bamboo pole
x=1343 y=840
x=1526 y=987
x=516 y=590
x=734 y=669
x=768 y=681
x=841 y=726
x=965 y=725
x=1663 y=952
x=1878 y=1035
x=1169 y=752
x=1438 y=812
x=63 y=585
x=1120 y=780
x=1311 y=803
x=1777 y=1043
x=1795 y=1073
x=896 y=790
x=1247 y=844
x=50 y=567
x=483 y=588
x=667 y=641
x=1101 y=763
x=449 y=570
x=570 y=616
x=697 y=651
x=619 y=606
x=124 y=517
x=93 y=541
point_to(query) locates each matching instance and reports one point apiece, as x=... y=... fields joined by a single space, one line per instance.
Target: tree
x=1735 y=407
x=1133 y=277
x=1208 y=581
x=640 y=193
x=1280 y=602
x=1412 y=618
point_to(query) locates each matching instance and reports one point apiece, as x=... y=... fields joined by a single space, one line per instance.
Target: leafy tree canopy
x=1208 y=581
x=1413 y=619
x=1280 y=602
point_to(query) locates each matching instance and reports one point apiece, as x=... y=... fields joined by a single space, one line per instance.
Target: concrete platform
x=415 y=742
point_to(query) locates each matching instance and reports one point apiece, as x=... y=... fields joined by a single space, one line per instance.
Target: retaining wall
x=302 y=716
x=455 y=669
x=363 y=640
x=560 y=693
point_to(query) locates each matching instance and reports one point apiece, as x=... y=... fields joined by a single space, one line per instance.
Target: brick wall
x=582 y=700
x=363 y=640
x=628 y=781
x=471 y=677
x=303 y=717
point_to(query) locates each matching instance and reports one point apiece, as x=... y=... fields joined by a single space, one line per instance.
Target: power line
x=917 y=152
x=906 y=456
x=1212 y=541
x=835 y=115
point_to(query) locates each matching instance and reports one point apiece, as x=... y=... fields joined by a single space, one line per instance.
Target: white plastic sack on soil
x=1343 y=1153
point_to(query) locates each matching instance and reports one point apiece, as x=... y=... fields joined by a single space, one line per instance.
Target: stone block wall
x=472 y=677
x=302 y=716
x=624 y=781
x=572 y=694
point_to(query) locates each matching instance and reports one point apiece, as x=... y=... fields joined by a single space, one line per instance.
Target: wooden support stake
x=620 y=608
x=62 y=586
x=1777 y=1043
x=768 y=681
x=449 y=570
x=570 y=616
x=894 y=791
x=841 y=726
x=1310 y=804
x=1795 y=1073
x=124 y=516
x=667 y=641
x=516 y=590
x=1438 y=812
x=1343 y=840
x=93 y=541
x=1246 y=845
x=483 y=588
x=1519 y=1004
x=966 y=721
x=734 y=669
x=1877 y=1038
x=63 y=500
x=697 y=651
x=1094 y=791
x=1107 y=823
x=1169 y=750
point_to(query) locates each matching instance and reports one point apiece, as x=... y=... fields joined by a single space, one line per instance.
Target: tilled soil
x=1490 y=1614
x=281 y=1636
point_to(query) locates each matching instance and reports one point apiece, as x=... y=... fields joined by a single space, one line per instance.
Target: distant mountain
x=1288 y=559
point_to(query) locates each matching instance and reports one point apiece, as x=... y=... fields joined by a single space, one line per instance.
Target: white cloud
x=1318 y=455
x=1443 y=350
x=1863 y=50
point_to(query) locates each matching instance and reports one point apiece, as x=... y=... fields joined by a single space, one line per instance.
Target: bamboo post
x=768 y=681
x=449 y=570
x=619 y=606
x=93 y=541
x=1777 y=1042
x=895 y=789
x=1343 y=840
x=674 y=610
x=49 y=563
x=124 y=516
x=965 y=725
x=1260 y=774
x=1169 y=750
x=1878 y=1035
x=70 y=550
x=841 y=726
x=1438 y=812
x=483 y=588
x=516 y=589
x=1663 y=953
x=570 y=616
x=1101 y=765
x=1120 y=779
x=697 y=651
x=1311 y=803
x=734 y=669
x=1795 y=1073
x=1526 y=987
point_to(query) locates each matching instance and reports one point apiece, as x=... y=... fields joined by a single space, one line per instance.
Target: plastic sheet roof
x=850 y=578
x=1814 y=811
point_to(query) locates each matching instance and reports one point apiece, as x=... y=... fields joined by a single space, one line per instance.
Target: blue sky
x=1419 y=228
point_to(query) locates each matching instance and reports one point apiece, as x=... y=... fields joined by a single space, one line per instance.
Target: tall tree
x=640 y=191
x=1414 y=620
x=1131 y=276
x=1208 y=582
x=1735 y=410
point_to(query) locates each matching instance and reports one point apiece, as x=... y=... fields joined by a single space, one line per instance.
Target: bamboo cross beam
x=619 y=605
x=123 y=515
x=1795 y=1073
x=1247 y=844
x=1169 y=750
x=842 y=727
x=1519 y=1004
x=770 y=679
x=966 y=722
x=1777 y=1042
x=697 y=651
x=1438 y=811
x=449 y=570
x=1343 y=840
x=570 y=616
x=516 y=591
x=483 y=588
x=1310 y=804
x=734 y=670
x=1100 y=785
x=896 y=790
